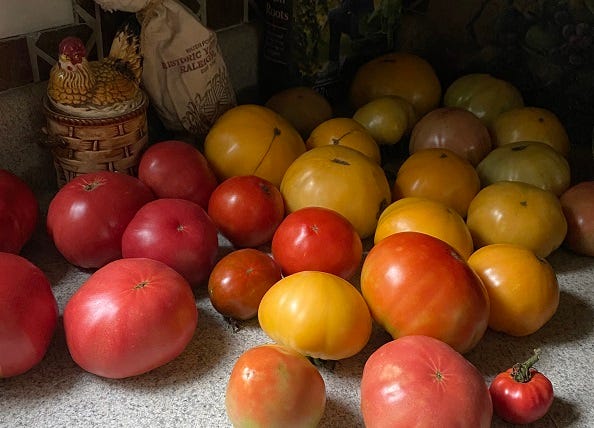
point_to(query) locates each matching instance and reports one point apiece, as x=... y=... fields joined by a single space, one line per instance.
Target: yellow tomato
x=531 y=124
x=386 y=118
x=426 y=216
x=522 y=287
x=252 y=140
x=512 y=212
x=398 y=73
x=438 y=174
x=484 y=95
x=316 y=314
x=341 y=179
x=344 y=131
x=532 y=162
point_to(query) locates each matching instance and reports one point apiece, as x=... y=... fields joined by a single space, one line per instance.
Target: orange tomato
x=252 y=140
x=531 y=124
x=398 y=73
x=290 y=314
x=426 y=216
x=344 y=131
x=512 y=212
x=523 y=289
x=438 y=174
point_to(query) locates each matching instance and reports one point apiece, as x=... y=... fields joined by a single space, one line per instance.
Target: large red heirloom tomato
x=28 y=314
x=19 y=211
x=274 y=386
x=129 y=317
x=317 y=314
x=176 y=232
x=176 y=169
x=419 y=381
x=418 y=284
x=87 y=217
x=316 y=238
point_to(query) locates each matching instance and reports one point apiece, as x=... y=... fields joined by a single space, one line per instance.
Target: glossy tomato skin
x=419 y=381
x=513 y=212
x=417 y=284
x=176 y=169
x=290 y=314
x=523 y=288
x=427 y=216
x=274 y=386
x=438 y=174
x=578 y=207
x=19 y=212
x=251 y=139
x=521 y=402
x=176 y=232
x=129 y=317
x=316 y=238
x=247 y=209
x=344 y=131
x=341 y=179
x=88 y=215
x=28 y=314
x=239 y=280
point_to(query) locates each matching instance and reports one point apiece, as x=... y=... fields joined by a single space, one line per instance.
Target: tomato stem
x=521 y=371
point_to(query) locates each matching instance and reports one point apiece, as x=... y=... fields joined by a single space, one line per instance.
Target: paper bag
x=184 y=72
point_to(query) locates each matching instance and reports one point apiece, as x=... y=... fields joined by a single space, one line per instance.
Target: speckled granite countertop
x=189 y=391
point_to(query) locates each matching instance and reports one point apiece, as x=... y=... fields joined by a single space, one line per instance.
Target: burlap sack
x=184 y=72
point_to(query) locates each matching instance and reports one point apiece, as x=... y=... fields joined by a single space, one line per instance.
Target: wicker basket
x=82 y=145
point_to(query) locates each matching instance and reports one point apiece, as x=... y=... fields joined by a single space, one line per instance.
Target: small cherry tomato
x=521 y=394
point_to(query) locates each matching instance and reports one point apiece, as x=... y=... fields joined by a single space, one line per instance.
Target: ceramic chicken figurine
x=98 y=88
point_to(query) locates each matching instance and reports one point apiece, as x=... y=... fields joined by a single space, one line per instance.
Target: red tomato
x=129 y=317
x=273 y=386
x=175 y=169
x=28 y=314
x=19 y=211
x=239 y=281
x=419 y=381
x=521 y=394
x=418 y=284
x=176 y=232
x=316 y=238
x=247 y=209
x=87 y=217
x=578 y=207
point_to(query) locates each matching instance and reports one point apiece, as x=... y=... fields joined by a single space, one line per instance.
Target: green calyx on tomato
x=521 y=371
